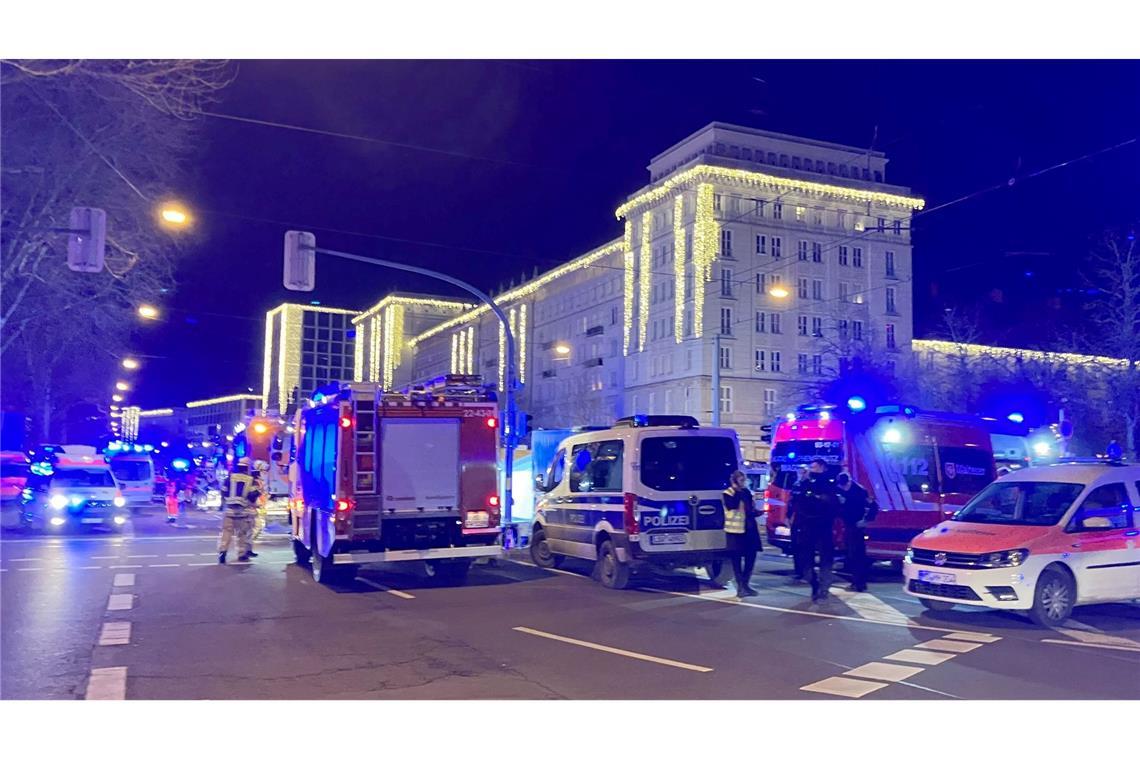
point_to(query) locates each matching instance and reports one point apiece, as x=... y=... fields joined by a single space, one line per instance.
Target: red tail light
x=492 y=500
x=343 y=505
x=346 y=422
x=492 y=422
x=629 y=500
x=767 y=498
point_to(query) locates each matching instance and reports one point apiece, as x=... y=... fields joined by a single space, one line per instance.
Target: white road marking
x=108 y=557
x=614 y=650
x=25 y=559
x=884 y=671
x=181 y=555
x=200 y=564
x=869 y=606
x=1091 y=645
x=142 y=556
x=115 y=633
x=107 y=683
x=208 y=554
x=120 y=602
x=392 y=591
x=844 y=687
x=977 y=638
x=123 y=567
x=28 y=569
x=941 y=645
x=124 y=579
x=170 y=565
x=920 y=657
x=1087 y=634
x=89 y=567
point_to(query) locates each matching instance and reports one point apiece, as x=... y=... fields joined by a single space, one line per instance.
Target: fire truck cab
x=386 y=477
x=920 y=466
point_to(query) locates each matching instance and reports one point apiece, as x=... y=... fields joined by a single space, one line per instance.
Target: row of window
x=807 y=250
x=761 y=209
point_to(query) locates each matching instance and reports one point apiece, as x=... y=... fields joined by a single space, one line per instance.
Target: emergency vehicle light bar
x=682 y=421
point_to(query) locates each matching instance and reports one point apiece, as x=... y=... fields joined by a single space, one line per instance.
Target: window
x=842 y=255
x=802 y=325
x=556 y=469
x=1020 y=503
x=890 y=335
x=844 y=292
x=726 y=244
x=1106 y=508
x=897 y=227
x=817 y=253
x=596 y=467
x=725 y=400
x=688 y=463
x=726 y=357
x=857 y=329
x=777 y=247
x=761 y=323
x=857 y=257
x=725 y=321
x=777 y=210
x=761 y=285
x=802 y=288
x=761 y=364
x=718 y=202
x=726 y=282
x=802 y=250
x=758 y=205
x=817 y=216
x=841 y=218
x=802 y=363
x=817 y=327
x=775 y=361
x=769 y=401
x=841 y=327
x=761 y=244
x=816 y=364
x=801 y=214
x=881 y=225
x=774 y=323
x=817 y=290
x=891 y=301
x=890 y=263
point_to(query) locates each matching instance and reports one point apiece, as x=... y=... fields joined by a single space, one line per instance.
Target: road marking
x=124 y=579
x=208 y=554
x=200 y=564
x=614 y=650
x=1086 y=634
x=1092 y=645
x=941 y=645
x=107 y=683
x=977 y=638
x=28 y=569
x=170 y=565
x=844 y=687
x=920 y=657
x=123 y=567
x=109 y=557
x=884 y=671
x=25 y=559
x=119 y=602
x=89 y=567
x=115 y=633
x=181 y=555
x=392 y=591
x=142 y=556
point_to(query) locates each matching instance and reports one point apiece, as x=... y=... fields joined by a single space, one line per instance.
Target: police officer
x=261 y=508
x=795 y=497
x=742 y=532
x=857 y=509
x=241 y=496
x=816 y=512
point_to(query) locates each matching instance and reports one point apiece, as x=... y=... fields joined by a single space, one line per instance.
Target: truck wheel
x=935 y=605
x=1053 y=598
x=612 y=572
x=300 y=553
x=328 y=574
x=540 y=552
x=448 y=572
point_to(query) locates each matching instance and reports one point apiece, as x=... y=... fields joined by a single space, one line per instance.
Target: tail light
x=492 y=422
x=343 y=505
x=767 y=498
x=492 y=500
x=346 y=422
x=629 y=501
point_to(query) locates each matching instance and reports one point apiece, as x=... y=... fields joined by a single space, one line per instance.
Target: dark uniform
x=796 y=495
x=738 y=504
x=857 y=509
x=816 y=513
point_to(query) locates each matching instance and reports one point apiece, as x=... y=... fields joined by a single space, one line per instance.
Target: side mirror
x=1095 y=523
x=540 y=482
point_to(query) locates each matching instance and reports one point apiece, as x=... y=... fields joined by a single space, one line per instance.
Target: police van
x=645 y=492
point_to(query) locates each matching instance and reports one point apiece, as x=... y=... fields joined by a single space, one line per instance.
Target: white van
x=646 y=491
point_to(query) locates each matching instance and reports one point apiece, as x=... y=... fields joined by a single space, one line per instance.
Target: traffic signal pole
x=508 y=423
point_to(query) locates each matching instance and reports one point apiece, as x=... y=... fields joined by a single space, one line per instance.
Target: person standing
x=237 y=521
x=796 y=494
x=1114 y=451
x=857 y=510
x=817 y=512
x=742 y=532
x=171 y=499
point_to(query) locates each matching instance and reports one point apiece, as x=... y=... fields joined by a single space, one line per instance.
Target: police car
x=645 y=492
x=72 y=487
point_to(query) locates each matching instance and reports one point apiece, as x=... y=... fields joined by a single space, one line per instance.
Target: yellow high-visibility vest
x=733 y=518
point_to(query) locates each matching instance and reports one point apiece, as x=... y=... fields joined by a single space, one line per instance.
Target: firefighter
x=261 y=508
x=858 y=509
x=171 y=499
x=742 y=532
x=795 y=496
x=237 y=522
x=816 y=512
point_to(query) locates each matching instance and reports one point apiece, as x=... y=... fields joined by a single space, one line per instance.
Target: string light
x=512 y=317
x=149 y=412
x=699 y=174
x=389 y=300
x=288 y=348
x=976 y=350
x=222 y=400
x=455 y=353
x=284 y=348
x=704 y=251
x=627 y=262
x=521 y=338
x=267 y=357
x=645 y=274
x=358 y=354
x=393 y=341
x=374 y=351
x=502 y=356
x=679 y=266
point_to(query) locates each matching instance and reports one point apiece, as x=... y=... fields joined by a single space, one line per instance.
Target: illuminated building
x=306 y=346
x=383 y=330
x=217 y=416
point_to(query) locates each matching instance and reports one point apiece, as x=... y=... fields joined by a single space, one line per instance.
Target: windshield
x=1020 y=503
x=94 y=478
x=687 y=463
x=126 y=469
x=789 y=456
x=13 y=470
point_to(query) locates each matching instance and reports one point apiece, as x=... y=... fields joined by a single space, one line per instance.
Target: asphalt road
x=150 y=615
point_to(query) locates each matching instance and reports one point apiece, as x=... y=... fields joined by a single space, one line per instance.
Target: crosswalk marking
x=920 y=657
x=844 y=687
x=884 y=671
x=107 y=683
x=115 y=633
x=942 y=645
x=978 y=638
x=124 y=579
x=120 y=602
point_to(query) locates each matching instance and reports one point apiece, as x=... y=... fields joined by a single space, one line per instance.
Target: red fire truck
x=920 y=466
x=265 y=438
x=385 y=477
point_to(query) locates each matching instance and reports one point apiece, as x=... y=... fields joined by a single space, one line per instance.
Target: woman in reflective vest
x=742 y=532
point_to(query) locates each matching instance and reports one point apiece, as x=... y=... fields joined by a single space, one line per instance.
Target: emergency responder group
x=817 y=502
x=244 y=515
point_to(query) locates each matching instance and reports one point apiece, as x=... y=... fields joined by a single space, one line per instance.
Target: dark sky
x=548 y=149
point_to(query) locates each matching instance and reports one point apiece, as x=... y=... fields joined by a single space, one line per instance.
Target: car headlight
x=1010 y=558
x=57 y=501
x=909 y=556
x=119 y=501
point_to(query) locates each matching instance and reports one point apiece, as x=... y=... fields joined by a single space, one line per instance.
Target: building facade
x=306 y=346
x=218 y=416
x=381 y=353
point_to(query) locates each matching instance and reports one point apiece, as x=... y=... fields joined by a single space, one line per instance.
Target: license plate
x=477 y=520
x=783 y=530
x=91 y=520
x=658 y=539
x=932 y=577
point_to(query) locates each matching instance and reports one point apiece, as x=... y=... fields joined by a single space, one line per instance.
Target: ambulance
x=72 y=487
x=1042 y=540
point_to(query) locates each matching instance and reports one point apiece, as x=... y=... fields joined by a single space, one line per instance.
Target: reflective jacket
x=240 y=489
x=735 y=511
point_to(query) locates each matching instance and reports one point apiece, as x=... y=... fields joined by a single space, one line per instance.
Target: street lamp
x=122 y=386
x=116 y=398
x=174 y=214
x=130 y=363
x=562 y=349
x=146 y=311
x=778 y=291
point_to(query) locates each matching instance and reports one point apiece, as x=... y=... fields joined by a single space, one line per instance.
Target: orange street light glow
x=146 y=311
x=129 y=363
x=779 y=291
x=121 y=386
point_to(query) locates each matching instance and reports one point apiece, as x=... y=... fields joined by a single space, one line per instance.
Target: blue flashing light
x=114 y=446
x=791 y=455
x=180 y=464
x=318 y=398
x=640 y=420
x=148 y=447
x=1017 y=417
x=138 y=449
x=856 y=403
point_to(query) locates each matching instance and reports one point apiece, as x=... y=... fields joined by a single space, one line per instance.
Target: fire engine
x=920 y=466
x=395 y=476
x=264 y=437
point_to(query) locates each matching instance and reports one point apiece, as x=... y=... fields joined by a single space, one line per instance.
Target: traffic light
x=86 y=239
x=767 y=433
x=300 y=260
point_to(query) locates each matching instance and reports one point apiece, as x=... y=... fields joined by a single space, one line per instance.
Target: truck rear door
x=419 y=460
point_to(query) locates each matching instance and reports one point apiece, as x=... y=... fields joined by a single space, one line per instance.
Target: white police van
x=645 y=492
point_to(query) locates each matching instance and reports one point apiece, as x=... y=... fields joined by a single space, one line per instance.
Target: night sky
x=521 y=164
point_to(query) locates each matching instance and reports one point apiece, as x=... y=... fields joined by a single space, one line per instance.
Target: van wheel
x=612 y=572
x=1053 y=598
x=300 y=553
x=540 y=552
x=935 y=605
x=715 y=570
x=448 y=572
